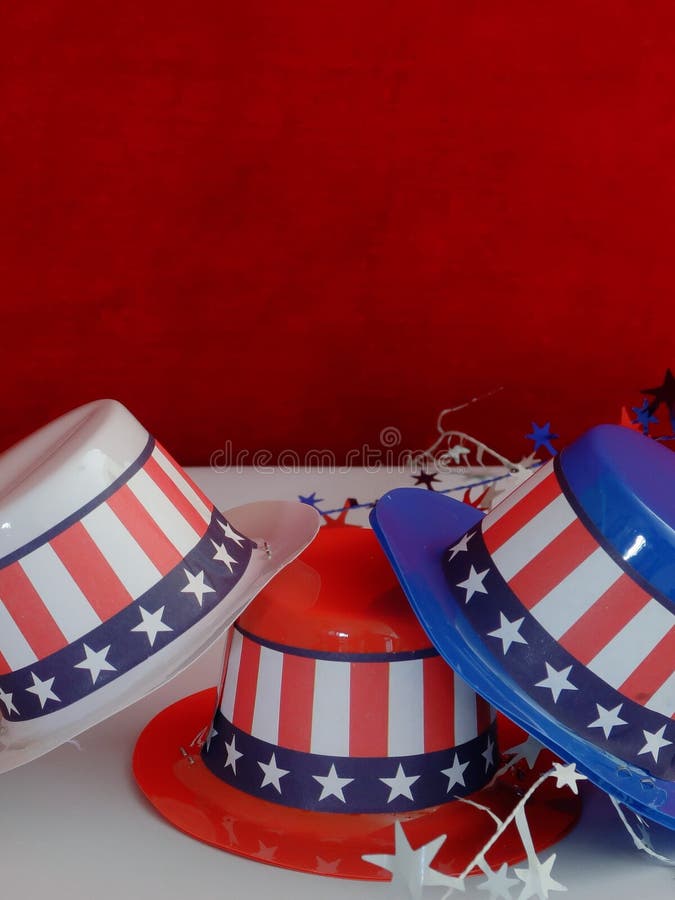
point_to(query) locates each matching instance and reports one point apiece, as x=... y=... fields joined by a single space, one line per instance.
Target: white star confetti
x=498 y=883
x=529 y=750
x=410 y=869
x=538 y=880
x=567 y=776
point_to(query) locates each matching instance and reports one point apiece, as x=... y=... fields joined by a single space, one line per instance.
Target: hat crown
x=341 y=597
x=623 y=486
x=329 y=676
x=61 y=467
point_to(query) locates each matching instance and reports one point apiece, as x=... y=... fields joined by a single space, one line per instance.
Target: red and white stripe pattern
x=92 y=569
x=348 y=708
x=580 y=596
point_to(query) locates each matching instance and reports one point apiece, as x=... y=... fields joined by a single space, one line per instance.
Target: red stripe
x=90 y=570
x=179 y=500
x=547 y=569
x=439 y=704
x=604 y=620
x=483 y=714
x=368 y=708
x=295 y=706
x=24 y=605
x=4 y=666
x=655 y=669
x=184 y=475
x=520 y=514
x=247 y=683
x=144 y=529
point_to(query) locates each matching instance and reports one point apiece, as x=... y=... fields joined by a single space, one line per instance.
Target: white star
x=43 y=689
x=474 y=583
x=655 y=743
x=332 y=784
x=273 y=774
x=461 y=545
x=556 y=681
x=230 y=533
x=489 y=753
x=457 y=452
x=508 y=632
x=151 y=624
x=498 y=883
x=6 y=699
x=400 y=784
x=222 y=554
x=455 y=774
x=608 y=719
x=210 y=736
x=233 y=755
x=529 y=750
x=567 y=776
x=410 y=869
x=196 y=586
x=95 y=662
x=538 y=880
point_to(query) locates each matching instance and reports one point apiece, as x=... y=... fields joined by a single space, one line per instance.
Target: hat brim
x=286 y=526
x=170 y=772
x=415 y=529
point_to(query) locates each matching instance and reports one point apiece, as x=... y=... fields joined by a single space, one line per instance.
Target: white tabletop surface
x=74 y=826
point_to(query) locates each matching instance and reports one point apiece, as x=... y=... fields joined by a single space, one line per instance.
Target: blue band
x=357 y=785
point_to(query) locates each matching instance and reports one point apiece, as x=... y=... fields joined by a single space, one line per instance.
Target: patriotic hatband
x=115 y=572
x=335 y=717
x=559 y=605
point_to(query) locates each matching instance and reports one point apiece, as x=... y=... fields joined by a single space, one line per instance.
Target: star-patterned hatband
x=190 y=591
x=559 y=683
x=349 y=784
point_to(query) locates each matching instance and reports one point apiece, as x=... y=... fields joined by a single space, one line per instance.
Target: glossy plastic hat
x=115 y=572
x=336 y=718
x=559 y=605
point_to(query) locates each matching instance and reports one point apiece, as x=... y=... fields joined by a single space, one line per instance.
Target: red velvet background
x=291 y=224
